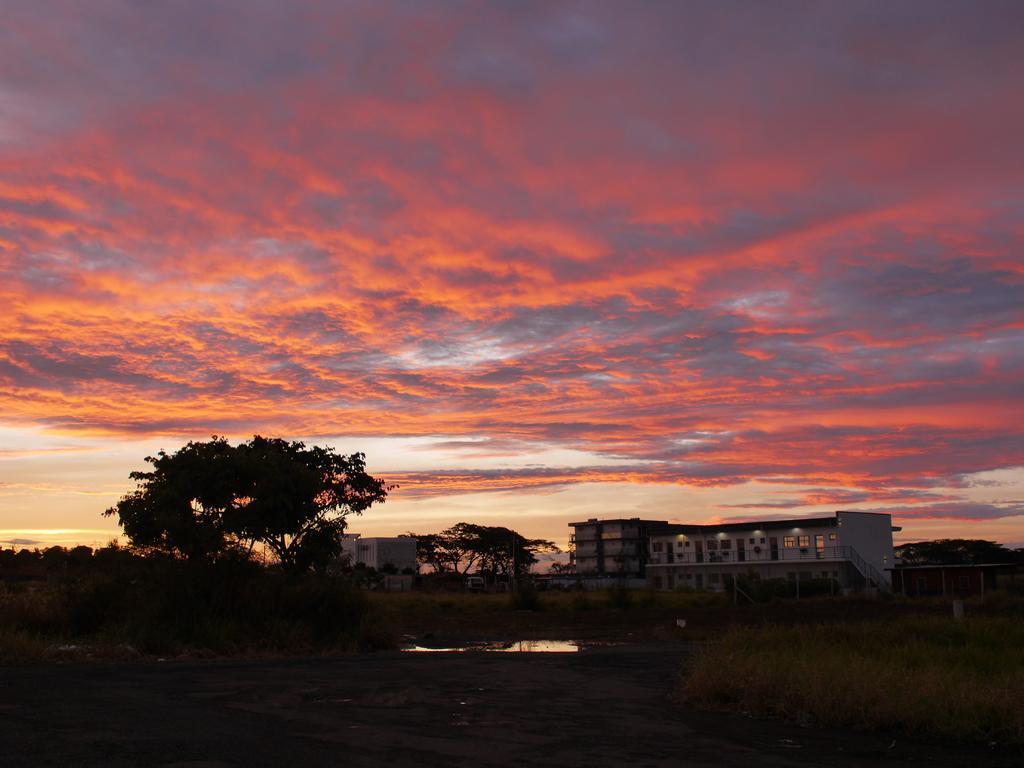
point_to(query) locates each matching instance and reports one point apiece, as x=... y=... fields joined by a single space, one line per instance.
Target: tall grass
x=925 y=676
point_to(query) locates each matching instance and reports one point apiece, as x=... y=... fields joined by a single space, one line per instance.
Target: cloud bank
x=707 y=245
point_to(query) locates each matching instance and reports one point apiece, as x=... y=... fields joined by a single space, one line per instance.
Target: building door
x=773 y=545
x=741 y=552
x=698 y=550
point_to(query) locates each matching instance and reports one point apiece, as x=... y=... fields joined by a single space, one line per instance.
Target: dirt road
x=605 y=706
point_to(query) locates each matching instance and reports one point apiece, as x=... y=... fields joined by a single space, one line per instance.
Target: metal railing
x=777 y=555
x=765 y=555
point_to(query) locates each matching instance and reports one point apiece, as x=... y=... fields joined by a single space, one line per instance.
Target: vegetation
x=209 y=500
x=927 y=676
x=494 y=551
x=958 y=552
x=117 y=601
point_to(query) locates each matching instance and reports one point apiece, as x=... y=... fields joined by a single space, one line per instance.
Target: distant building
x=612 y=549
x=852 y=548
x=379 y=551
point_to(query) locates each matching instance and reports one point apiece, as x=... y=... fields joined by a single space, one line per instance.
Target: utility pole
x=512 y=576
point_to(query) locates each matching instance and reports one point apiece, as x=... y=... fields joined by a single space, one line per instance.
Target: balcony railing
x=766 y=555
x=872 y=576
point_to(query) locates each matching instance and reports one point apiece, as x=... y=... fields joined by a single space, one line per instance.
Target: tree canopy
x=493 y=551
x=208 y=498
x=957 y=552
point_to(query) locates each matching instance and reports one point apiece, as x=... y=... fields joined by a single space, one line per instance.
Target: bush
x=161 y=605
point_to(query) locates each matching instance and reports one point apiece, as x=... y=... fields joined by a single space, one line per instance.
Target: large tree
x=492 y=550
x=209 y=497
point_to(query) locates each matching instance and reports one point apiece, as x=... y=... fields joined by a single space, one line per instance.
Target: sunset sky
x=539 y=261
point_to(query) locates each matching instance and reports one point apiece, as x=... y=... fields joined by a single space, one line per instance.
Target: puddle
x=515 y=646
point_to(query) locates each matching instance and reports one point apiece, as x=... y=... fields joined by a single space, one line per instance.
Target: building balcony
x=751 y=557
x=629 y=548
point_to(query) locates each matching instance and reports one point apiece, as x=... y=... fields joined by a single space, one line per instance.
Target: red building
x=945 y=580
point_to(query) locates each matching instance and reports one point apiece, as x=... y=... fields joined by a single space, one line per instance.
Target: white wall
x=377 y=551
x=871 y=535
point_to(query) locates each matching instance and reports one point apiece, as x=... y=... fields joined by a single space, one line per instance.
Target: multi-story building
x=612 y=549
x=851 y=548
x=379 y=551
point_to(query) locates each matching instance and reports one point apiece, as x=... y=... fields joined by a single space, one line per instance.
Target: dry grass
x=919 y=675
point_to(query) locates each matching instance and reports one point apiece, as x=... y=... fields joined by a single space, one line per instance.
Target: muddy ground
x=601 y=706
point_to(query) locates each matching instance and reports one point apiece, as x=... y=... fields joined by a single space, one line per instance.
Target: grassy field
x=926 y=676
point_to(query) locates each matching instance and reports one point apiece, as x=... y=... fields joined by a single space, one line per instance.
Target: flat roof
x=756 y=525
x=948 y=565
x=604 y=520
x=665 y=527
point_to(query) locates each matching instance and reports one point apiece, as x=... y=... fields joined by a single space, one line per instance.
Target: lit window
x=805 y=541
x=789 y=541
x=831 y=537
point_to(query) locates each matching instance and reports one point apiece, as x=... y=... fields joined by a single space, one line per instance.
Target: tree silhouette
x=493 y=550
x=957 y=552
x=209 y=498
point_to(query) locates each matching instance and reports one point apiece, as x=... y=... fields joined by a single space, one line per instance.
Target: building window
x=713 y=578
x=751 y=539
x=819 y=542
x=657 y=546
x=726 y=544
x=789 y=542
x=712 y=544
x=831 y=537
x=762 y=539
x=805 y=541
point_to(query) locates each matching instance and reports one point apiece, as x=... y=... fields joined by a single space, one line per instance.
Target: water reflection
x=512 y=646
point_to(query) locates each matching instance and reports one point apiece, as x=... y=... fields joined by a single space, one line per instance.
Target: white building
x=379 y=551
x=851 y=548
